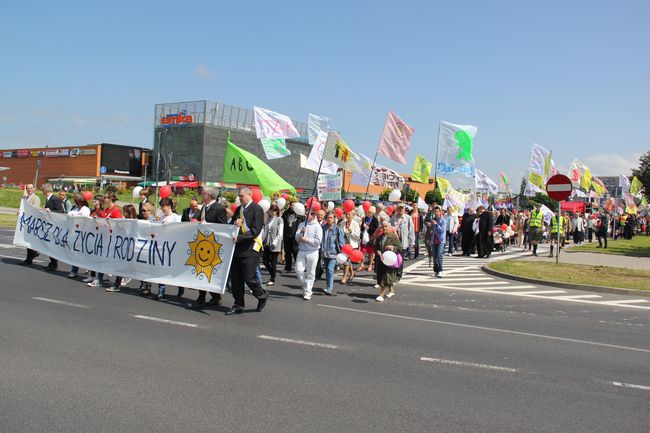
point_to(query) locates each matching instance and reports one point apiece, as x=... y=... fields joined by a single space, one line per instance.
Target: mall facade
x=192 y=137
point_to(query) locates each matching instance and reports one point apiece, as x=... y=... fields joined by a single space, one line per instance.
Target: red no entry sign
x=559 y=187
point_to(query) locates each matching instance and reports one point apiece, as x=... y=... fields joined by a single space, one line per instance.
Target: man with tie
x=192 y=212
x=30 y=196
x=52 y=204
x=211 y=212
x=249 y=217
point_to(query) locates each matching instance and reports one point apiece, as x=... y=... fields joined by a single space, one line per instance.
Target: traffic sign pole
x=559 y=230
x=558 y=188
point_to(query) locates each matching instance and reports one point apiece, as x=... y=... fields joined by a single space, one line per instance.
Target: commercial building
x=192 y=136
x=89 y=164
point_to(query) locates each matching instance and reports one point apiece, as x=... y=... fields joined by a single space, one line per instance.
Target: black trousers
x=467 y=243
x=270 y=260
x=202 y=293
x=31 y=254
x=290 y=253
x=243 y=270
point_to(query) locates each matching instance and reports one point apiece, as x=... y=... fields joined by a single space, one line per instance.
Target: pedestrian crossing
x=465 y=274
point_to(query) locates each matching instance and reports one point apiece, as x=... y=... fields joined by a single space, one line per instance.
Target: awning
x=153 y=183
x=186 y=184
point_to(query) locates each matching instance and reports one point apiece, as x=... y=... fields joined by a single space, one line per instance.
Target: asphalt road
x=78 y=359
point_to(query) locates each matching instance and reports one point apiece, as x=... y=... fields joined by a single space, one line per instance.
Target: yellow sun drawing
x=204 y=254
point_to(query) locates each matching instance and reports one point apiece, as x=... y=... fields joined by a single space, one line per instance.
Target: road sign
x=559 y=187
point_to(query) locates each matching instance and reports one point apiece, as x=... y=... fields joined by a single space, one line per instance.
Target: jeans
x=416 y=251
x=330 y=266
x=74 y=269
x=306 y=269
x=451 y=240
x=438 y=252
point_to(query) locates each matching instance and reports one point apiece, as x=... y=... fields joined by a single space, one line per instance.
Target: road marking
x=625 y=301
x=303 y=342
x=540 y=292
x=56 y=301
x=170 y=322
x=484 y=328
x=468 y=364
x=510 y=287
x=630 y=385
x=484 y=283
x=577 y=297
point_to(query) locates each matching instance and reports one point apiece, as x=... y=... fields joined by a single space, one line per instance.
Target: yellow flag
x=536 y=179
x=443 y=184
x=635 y=186
x=585 y=180
x=598 y=186
x=421 y=169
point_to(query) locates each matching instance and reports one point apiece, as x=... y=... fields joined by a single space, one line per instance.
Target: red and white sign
x=559 y=187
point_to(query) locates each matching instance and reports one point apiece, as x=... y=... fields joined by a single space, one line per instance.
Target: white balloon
x=265 y=204
x=280 y=203
x=389 y=258
x=136 y=191
x=330 y=206
x=394 y=195
x=341 y=258
x=360 y=211
x=299 y=209
x=237 y=202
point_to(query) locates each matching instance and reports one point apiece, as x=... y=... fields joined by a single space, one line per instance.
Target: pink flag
x=396 y=138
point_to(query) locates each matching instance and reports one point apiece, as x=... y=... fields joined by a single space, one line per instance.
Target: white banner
x=455 y=200
x=196 y=255
x=329 y=186
x=269 y=124
x=455 y=154
x=384 y=176
x=484 y=184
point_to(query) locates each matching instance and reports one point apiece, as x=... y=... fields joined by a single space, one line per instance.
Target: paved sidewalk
x=613 y=260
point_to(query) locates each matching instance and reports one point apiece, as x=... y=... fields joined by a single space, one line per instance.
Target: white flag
x=338 y=152
x=316 y=154
x=362 y=176
x=484 y=183
x=455 y=149
x=315 y=125
x=531 y=189
x=548 y=214
x=269 y=124
x=624 y=183
x=303 y=161
x=422 y=204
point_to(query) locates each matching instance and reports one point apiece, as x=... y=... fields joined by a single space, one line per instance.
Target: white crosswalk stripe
x=465 y=274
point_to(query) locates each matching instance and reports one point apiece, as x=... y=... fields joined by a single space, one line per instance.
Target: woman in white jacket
x=352 y=234
x=272 y=240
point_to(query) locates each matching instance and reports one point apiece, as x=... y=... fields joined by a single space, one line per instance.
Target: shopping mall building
x=86 y=165
x=192 y=137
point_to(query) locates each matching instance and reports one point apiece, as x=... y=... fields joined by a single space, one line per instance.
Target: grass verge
x=8 y=220
x=639 y=246
x=577 y=274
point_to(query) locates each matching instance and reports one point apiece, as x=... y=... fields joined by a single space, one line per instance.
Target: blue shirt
x=439 y=232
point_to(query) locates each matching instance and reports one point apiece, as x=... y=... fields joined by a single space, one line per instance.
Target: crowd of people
x=314 y=243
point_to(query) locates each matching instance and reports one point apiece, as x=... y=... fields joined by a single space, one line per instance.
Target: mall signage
x=176 y=119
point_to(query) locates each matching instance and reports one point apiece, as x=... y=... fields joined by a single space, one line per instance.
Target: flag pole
x=313 y=192
x=372 y=169
x=435 y=167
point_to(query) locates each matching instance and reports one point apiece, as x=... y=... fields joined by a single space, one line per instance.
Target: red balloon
x=390 y=209
x=504 y=227
x=165 y=191
x=348 y=205
x=347 y=249
x=356 y=256
x=285 y=195
x=313 y=203
x=514 y=227
x=366 y=205
x=339 y=212
x=194 y=220
x=233 y=207
x=256 y=195
x=88 y=195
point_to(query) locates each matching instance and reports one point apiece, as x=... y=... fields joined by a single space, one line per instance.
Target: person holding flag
x=249 y=217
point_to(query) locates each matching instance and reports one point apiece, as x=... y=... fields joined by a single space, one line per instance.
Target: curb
x=573 y=286
x=571 y=251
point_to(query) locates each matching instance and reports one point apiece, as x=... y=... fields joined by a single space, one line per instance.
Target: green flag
x=421 y=169
x=240 y=166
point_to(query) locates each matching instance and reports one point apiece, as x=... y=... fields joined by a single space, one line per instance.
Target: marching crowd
x=314 y=242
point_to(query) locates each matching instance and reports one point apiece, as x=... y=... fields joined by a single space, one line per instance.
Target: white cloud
x=611 y=164
x=202 y=71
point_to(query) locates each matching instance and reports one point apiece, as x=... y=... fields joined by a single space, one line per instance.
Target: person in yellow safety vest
x=536 y=225
x=554 y=228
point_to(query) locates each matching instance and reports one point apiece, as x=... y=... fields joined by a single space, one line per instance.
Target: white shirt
x=173 y=218
x=84 y=211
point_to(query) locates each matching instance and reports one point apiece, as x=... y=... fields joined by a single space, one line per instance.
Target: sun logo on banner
x=204 y=254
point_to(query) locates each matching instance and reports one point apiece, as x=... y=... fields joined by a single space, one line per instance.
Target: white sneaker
x=390 y=295
x=270 y=283
x=377 y=286
x=306 y=296
x=379 y=299
x=113 y=289
x=439 y=274
x=125 y=282
x=435 y=274
x=94 y=283
x=88 y=279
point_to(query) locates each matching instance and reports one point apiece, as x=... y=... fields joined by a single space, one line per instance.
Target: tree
x=543 y=199
x=643 y=172
x=411 y=196
x=432 y=196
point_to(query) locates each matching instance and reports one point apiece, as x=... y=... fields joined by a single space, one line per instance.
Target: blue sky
x=573 y=76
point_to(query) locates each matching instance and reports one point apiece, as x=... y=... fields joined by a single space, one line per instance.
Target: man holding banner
x=249 y=217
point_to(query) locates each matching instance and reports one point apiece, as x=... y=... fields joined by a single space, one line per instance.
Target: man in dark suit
x=485 y=224
x=52 y=204
x=211 y=212
x=249 y=217
x=192 y=212
x=144 y=198
x=467 y=232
